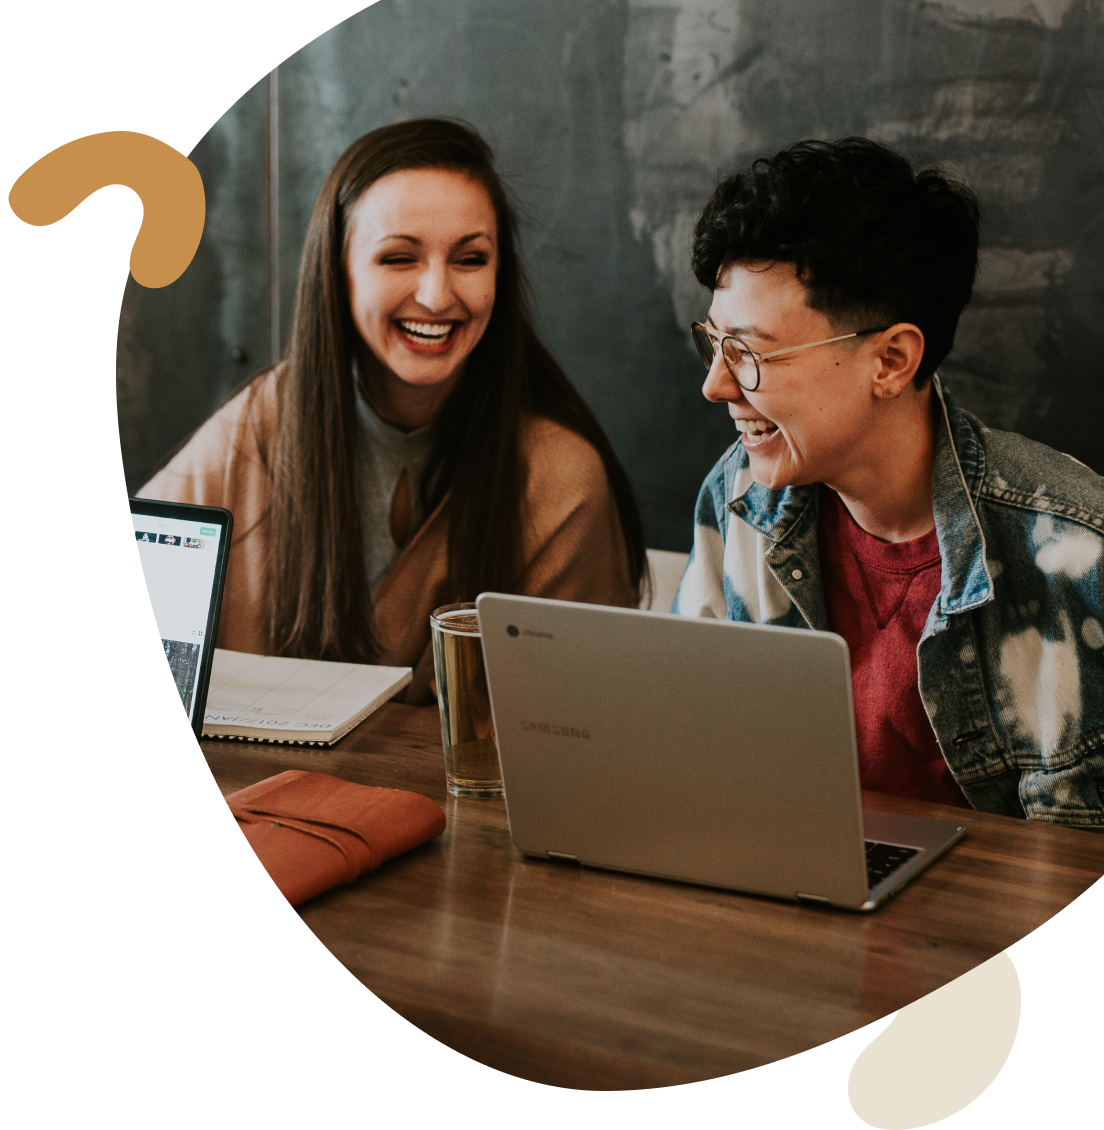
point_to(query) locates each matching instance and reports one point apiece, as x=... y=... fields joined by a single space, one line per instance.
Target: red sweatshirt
x=878 y=596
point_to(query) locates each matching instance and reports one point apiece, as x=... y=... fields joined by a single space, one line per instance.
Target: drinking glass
x=467 y=730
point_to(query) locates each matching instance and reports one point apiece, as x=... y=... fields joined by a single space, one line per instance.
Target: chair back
x=666 y=569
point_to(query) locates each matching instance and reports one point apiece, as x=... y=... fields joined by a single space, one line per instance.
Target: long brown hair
x=319 y=603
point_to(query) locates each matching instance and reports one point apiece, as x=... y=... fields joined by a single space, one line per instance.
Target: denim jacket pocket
x=1071 y=795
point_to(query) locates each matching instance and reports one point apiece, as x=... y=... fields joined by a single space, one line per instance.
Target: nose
x=435 y=291
x=720 y=385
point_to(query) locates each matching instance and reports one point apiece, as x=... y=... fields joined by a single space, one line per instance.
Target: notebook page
x=276 y=693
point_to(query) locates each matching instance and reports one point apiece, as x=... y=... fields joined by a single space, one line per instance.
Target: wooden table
x=589 y=979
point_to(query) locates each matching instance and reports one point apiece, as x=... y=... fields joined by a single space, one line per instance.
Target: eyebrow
x=415 y=240
x=743 y=331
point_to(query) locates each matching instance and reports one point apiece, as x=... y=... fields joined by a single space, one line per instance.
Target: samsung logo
x=559 y=731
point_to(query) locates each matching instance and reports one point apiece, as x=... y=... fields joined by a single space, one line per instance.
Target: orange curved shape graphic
x=169 y=184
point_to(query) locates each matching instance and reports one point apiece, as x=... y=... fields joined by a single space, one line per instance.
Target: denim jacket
x=1011 y=659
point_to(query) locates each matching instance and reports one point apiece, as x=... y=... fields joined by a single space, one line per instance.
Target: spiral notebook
x=297 y=701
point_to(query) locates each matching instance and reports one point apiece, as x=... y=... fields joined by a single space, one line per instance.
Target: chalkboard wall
x=611 y=120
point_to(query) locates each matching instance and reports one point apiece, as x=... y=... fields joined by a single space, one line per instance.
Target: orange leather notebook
x=313 y=832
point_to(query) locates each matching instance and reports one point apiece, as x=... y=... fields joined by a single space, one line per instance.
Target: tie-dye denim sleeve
x=1026 y=663
x=702 y=590
x=1047 y=648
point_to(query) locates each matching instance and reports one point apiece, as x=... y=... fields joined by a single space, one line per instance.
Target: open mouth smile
x=427 y=337
x=754 y=433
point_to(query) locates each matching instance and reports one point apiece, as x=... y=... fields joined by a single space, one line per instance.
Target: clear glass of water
x=467 y=729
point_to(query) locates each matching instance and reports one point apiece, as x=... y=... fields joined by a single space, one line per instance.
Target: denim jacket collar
x=956 y=481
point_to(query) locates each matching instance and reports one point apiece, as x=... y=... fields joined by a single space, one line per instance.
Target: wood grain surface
x=583 y=978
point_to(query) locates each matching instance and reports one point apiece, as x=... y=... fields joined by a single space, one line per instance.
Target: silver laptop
x=705 y=751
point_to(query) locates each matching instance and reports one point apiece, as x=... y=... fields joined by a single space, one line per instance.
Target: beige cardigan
x=572 y=544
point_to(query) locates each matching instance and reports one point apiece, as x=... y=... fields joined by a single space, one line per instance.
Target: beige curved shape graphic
x=940 y=1052
x=168 y=183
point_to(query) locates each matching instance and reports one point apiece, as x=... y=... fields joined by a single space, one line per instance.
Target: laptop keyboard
x=883 y=859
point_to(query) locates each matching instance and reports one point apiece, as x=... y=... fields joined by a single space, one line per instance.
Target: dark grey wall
x=611 y=119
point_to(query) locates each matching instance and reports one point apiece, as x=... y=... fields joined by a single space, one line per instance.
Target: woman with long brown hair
x=418 y=445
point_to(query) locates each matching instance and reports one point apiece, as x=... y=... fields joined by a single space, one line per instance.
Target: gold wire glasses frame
x=737 y=353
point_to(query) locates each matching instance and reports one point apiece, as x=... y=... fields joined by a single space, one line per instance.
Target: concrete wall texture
x=611 y=120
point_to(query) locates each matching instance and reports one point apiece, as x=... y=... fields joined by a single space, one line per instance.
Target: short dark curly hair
x=873 y=240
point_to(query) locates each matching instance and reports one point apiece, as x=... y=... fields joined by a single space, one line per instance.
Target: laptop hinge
x=561 y=855
x=802 y=897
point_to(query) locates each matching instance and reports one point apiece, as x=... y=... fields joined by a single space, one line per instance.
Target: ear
x=899 y=351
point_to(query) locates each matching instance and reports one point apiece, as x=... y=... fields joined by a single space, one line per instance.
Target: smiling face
x=816 y=412
x=420 y=263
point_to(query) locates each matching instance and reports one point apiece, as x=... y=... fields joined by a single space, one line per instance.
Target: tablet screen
x=181 y=559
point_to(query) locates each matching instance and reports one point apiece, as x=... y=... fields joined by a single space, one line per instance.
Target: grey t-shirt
x=383 y=452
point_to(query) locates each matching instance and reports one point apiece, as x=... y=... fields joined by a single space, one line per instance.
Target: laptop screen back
x=702 y=750
x=183 y=551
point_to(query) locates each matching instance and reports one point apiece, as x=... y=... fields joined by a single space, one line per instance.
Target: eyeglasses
x=743 y=362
